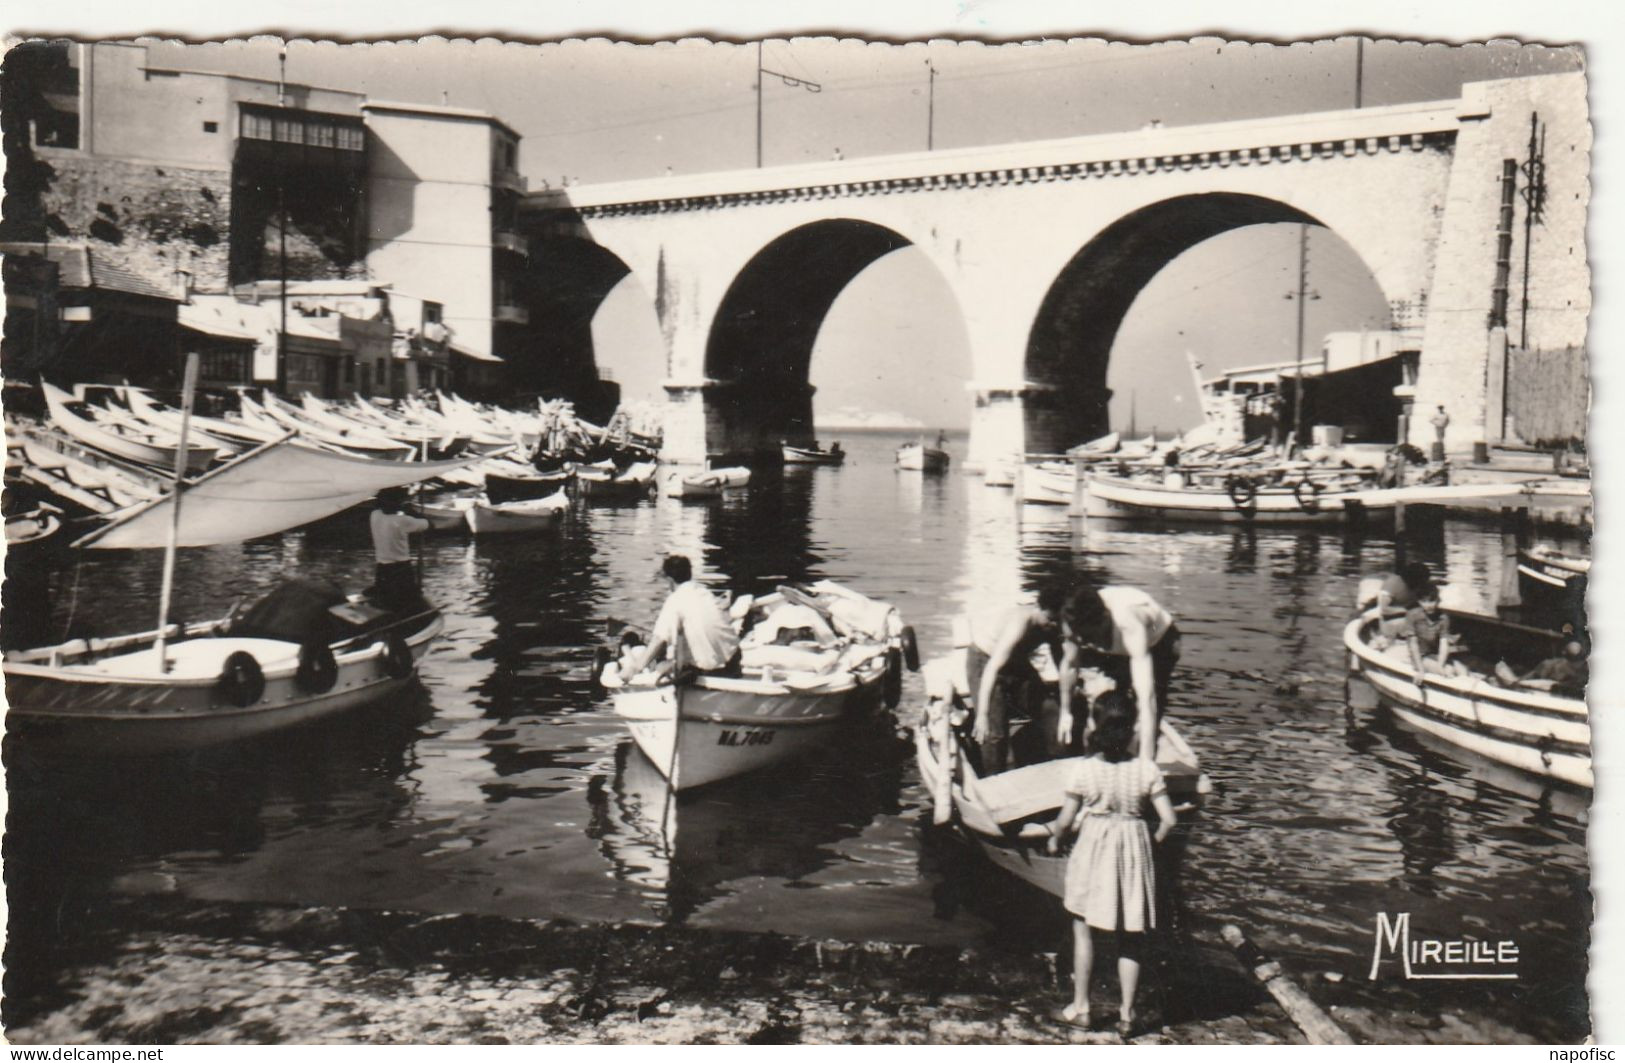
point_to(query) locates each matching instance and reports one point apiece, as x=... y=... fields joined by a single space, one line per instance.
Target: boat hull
x=1117 y=499
x=1541 y=733
x=732 y=727
x=1553 y=585
x=1047 y=486
x=486 y=519
x=803 y=456
x=92 y=433
x=55 y=711
x=916 y=458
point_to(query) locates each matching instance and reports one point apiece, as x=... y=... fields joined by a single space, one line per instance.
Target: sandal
x=1128 y=1029
x=1071 y=1015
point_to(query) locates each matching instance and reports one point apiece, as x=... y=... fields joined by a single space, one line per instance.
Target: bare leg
x=1128 y=972
x=1083 y=962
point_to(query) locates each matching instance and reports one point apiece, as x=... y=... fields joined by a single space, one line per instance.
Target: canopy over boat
x=281 y=485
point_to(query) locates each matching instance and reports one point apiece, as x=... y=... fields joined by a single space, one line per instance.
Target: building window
x=290 y=130
x=224 y=367
x=432 y=313
x=351 y=138
x=320 y=134
x=211 y=127
x=257 y=126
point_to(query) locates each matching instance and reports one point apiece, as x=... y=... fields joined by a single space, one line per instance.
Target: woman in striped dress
x=1110 y=881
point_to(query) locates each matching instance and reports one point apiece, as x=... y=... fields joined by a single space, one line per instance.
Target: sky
x=597 y=110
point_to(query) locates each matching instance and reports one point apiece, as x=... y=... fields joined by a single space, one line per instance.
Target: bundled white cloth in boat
x=693 y=614
x=788 y=617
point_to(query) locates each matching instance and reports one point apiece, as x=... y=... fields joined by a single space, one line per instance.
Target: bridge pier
x=691 y=417
x=998 y=426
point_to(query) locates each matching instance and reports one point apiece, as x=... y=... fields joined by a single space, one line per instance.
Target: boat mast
x=1133 y=397
x=188 y=388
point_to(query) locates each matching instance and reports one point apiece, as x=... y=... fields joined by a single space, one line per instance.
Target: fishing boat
x=705 y=484
x=81 y=479
x=813 y=455
x=303 y=653
x=609 y=484
x=1546 y=732
x=512 y=481
x=790 y=697
x=537 y=514
x=276 y=413
x=1236 y=499
x=992 y=811
x=1048 y=483
x=1553 y=582
x=240 y=436
x=1103 y=447
x=917 y=457
x=145 y=445
x=27 y=533
x=447 y=514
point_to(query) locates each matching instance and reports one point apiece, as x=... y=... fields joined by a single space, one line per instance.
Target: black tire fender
x=1242 y=491
x=1307 y=492
x=911 y=650
x=317 y=671
x=241 y=681
x=397 y=657
x=893 y=689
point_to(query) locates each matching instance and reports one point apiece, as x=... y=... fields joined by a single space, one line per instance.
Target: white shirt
x=693 y=615
x=391 y=542
x=1133 y=609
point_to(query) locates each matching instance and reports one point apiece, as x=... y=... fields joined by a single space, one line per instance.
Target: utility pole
x=1534 y=198
x=930 y=107
x=281 y=231
x=1302 y=295
x=1359 y=70
x=791 y=81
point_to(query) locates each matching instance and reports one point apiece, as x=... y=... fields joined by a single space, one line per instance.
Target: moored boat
x=603 y=485
x=708 y=483
x=789 y=698
x=30 y=531
x=812 y=455
x=304 y=653
x=1237 y=500
x=1543 y=731
x=146 y=445
x=1552 y=582
x=537 y=514
x=1049 y=483
x=917 y=457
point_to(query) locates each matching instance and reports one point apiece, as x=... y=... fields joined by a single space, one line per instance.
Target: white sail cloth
x=278 y=486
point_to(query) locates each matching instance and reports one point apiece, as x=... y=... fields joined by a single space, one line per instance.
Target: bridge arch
x=1069 y=346
x=565 y=279
x=759 y=349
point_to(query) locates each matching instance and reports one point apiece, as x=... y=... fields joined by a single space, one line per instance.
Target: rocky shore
x=241 y=974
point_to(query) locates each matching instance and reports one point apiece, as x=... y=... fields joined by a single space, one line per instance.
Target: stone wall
x=150 y=220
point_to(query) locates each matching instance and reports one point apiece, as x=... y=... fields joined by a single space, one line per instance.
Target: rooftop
x=80 y=267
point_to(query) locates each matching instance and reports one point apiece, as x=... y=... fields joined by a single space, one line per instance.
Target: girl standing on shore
x=1110 y=881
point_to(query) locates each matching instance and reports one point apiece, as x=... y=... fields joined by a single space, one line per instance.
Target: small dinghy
x=815 y=659
x=707 y=484
x=539 y=514
x=917 y=457
x=813 y=455
x=609 y=485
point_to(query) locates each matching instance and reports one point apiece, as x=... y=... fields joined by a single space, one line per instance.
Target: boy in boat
x=999 y=669
x=1125 y=633
x=692 y=625
x=395 y=585
x=1427 y=633
x=1390 y=596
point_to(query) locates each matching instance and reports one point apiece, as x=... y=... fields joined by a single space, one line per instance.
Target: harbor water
x=504 y=785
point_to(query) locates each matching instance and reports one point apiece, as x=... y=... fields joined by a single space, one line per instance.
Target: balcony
x=508 y=314
x=509 y=180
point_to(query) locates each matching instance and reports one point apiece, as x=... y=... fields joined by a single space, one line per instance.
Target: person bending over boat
x=692 y=626
x=999 y=668
x=1125 y=633
x=1110 y=876
x=1390 y=596
x=395 y=584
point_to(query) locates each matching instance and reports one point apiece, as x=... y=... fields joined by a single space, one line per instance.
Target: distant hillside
x=853 y=419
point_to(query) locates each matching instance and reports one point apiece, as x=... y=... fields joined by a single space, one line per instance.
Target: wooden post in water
x=1514 y=539
x=188 y=387
x=1316 y=1025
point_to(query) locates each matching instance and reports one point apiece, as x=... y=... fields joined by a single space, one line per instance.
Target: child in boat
x=1427 y=633
x=1389 y=597
x=1110 y=879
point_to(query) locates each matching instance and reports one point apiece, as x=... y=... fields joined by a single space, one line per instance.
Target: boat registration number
x=745 y=738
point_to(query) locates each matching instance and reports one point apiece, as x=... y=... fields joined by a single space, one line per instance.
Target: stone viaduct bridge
x=1045 y=245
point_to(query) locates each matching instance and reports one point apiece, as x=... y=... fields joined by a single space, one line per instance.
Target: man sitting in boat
x=395 y=585
x=692 y=625
x=999 y=668
x=1566 y=675
x=1127 y=635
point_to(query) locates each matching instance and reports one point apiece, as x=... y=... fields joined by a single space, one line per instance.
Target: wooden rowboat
x=811 y=456
x=538 y=514
x=1553 y=583
x=225 y=681
x=717 y=727
x=148 y=446
x=1544 y=732
x=607 y=485
x=1048 y=483
x=991 y=811
x=707 y=484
